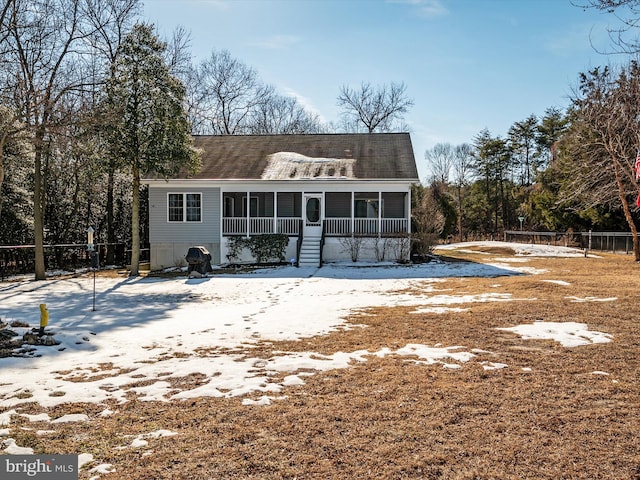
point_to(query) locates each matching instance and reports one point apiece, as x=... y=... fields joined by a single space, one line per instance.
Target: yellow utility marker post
x=44 y=317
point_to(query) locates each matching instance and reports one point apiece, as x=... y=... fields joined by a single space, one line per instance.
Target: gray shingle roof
x=362 y=156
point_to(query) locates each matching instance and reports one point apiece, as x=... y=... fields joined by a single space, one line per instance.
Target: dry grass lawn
x=390 y=418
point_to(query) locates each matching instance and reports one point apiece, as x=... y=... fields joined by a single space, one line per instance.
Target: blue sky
x=467 y=64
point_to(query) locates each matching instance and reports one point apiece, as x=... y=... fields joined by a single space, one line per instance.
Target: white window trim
x=184 y=207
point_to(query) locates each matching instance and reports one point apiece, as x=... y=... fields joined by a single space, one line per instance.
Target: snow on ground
x=519 y=249
x=163 y=329
x=147 y=333
x=569 y=334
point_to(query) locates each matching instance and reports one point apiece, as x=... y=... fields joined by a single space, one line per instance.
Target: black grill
x=199 y=260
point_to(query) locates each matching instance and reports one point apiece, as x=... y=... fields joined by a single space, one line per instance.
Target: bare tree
x=427 y=218
x=283 y=115
x=47 y=65
x=440 y=159
x=178 y=54
x=224 y=94
x=42 y=35
x=462 y=174
x=603 y=142
x=111 y=20
x=4 y=15
x=374 y=108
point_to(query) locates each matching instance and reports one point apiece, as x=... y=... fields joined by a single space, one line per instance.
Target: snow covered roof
x=284 y=165
x=375 y=156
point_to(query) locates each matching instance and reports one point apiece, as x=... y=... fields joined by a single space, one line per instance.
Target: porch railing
x=364 y=226
x=290 y=226
x=332 y=226
x=259 y=225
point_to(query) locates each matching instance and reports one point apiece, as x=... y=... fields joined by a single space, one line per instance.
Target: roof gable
x=294 y=157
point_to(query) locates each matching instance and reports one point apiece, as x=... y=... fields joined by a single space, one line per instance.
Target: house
x=336 y=196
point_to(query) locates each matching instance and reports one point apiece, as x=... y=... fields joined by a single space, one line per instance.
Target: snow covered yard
x=281 y=339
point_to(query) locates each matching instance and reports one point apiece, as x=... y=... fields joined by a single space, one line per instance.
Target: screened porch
x=340 y=213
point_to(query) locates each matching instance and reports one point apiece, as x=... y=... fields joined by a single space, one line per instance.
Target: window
x=313 y=210
x=185 y=207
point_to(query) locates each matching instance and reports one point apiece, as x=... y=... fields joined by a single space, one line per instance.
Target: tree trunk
x=2 y=142
x=460 y=234
x=111 y=237
x=135 y=224
x=627 y=210
x=38 y=214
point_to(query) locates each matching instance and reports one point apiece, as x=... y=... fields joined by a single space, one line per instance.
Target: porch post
x=248 y=212
x=408 y=215
x=275 y=212
x=221 y=216
x=379 y=214
x=353 y=212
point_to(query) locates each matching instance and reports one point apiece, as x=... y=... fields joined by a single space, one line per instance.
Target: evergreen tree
x=522 y=136
x=550 y=129
x=493 y=164
x=148 y=126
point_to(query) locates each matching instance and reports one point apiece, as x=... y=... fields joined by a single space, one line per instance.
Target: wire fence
x=616 y=242
x=20 y=259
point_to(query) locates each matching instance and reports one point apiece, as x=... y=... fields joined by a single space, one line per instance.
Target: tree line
x=485 y=186
x=576 y=169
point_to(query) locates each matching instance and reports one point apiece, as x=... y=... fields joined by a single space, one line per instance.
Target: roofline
x=253 y=181
x=302 y=134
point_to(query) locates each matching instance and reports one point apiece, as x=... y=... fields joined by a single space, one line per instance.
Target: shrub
x=269 y=246
x=352 y=245
x=262 y=247
x=235 y=245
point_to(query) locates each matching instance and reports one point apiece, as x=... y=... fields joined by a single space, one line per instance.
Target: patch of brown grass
x=493 y=250
x=391 y=418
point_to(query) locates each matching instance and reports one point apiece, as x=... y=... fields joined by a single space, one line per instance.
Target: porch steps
x=310 y=252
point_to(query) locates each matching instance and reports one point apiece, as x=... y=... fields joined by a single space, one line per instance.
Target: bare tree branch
x=624 y=38
x=377 y=109
x=225 y=94
x=604 y=140
x=440 y=159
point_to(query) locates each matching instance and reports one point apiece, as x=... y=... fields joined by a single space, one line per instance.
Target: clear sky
x=467 y=64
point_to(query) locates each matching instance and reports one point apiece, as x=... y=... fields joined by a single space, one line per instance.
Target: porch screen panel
x=337 y=204
x=393 y=204
x=265 y=204
x=289 y=204
x=234 y=204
